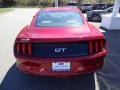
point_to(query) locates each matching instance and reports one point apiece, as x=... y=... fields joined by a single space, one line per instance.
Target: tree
x=100 y=1
x=8 y=2
x=1 y=1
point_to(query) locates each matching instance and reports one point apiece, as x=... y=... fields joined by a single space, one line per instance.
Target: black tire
x=88 y=19
x=96 y=18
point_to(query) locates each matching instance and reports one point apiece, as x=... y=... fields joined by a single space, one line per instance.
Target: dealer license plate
x=60 y=66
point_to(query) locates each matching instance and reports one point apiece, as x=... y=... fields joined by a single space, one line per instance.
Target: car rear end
x=110 y=5
x=99 y=6
x=86 y=7
x=72 y=4
x=60 y=51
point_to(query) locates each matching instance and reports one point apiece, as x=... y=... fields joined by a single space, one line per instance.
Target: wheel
x=88 y=19
x=96 y=18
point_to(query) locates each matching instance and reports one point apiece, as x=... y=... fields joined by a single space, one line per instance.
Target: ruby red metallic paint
x=43 y=66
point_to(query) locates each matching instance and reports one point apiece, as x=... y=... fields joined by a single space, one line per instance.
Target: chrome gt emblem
x=58 y=50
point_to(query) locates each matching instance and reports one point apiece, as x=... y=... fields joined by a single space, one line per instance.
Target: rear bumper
x=43 y=66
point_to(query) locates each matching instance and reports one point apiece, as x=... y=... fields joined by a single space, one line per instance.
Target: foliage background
x=17 y=3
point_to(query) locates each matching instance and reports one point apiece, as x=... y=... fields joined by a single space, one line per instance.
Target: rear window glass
x=72 y=4
x=100 y=4
x=86 y=5
x=59 y=18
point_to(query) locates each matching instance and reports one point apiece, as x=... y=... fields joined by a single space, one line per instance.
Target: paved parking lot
x=109 y=75
x=12 y=79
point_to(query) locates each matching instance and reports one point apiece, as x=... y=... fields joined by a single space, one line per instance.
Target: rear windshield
x=72 y=4
x=59 y=18
x=100 y=4
x=86 y=5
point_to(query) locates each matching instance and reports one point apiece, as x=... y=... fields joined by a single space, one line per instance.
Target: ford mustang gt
x=59 y=42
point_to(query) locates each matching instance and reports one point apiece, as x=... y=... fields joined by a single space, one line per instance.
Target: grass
x=3 y=10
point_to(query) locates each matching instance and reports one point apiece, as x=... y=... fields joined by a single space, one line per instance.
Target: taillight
x=29 y=49
x=17 y=47
x=96 y=46
x=23 y=49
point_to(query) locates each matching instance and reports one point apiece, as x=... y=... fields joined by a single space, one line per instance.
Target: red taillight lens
x=102 y=45
x=23 y=49
x=91 y=47
x=29 y=49
x=18 y=47
x=96 y=46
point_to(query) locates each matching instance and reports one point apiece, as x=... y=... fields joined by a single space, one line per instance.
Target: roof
x=60 y=9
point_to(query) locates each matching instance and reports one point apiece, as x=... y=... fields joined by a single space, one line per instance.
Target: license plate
x=60 y=66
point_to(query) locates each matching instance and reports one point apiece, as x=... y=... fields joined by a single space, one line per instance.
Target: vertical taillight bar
x=96 y=46
x=101 y=44
x=23 y=48
x=18 y=47
x=29 y=49
x=91 y=47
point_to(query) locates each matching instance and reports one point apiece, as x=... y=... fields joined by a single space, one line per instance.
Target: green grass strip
x=3 y=10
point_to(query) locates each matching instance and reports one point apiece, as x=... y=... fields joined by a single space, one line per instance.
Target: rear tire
x=88 y=19
x=96 y=18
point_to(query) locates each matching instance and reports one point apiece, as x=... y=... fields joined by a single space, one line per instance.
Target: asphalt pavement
x=12 y=79
x=109 y=75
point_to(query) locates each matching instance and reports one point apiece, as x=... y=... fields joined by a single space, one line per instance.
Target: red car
x=59 y=42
